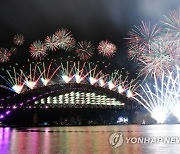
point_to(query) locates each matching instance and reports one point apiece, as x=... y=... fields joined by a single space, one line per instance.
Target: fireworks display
x=31 y=77
x=47 y=72
x=38 y=50
x=62 y=39
x=95 y=75
x=14 y=82
x=141 y=41
x=52 y=42
x=175 y=110
x=18 y=39
x=66 y=40
x=171 y=23
x=156 y=49
x=162 y=97
x=4 y=55
x=84 y=50
x=141 y=38
x=160 y=59
x=66 y=73
x=106 y=48
x=13 y=50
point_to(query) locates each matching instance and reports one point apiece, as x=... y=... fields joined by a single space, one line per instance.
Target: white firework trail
x=160 y=98
x=14 y=81
x=47 y=73
x=67 y=72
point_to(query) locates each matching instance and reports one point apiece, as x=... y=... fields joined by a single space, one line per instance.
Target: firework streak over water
x=40 y=73
x=156 y=48
x=157 y=51
x=161 y=98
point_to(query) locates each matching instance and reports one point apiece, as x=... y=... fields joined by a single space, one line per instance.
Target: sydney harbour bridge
x=77 y=87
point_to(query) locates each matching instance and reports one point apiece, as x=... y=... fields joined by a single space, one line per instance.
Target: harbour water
x=88 y=139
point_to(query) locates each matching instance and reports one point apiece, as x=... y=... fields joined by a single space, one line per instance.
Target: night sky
x=91 y=20
x=87 y=19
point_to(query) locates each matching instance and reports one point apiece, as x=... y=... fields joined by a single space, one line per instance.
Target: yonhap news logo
x=116 y=140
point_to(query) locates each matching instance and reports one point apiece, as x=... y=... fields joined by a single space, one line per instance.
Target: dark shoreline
x=37 y=126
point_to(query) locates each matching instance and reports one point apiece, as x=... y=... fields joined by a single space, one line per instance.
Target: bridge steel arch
x=28 y=98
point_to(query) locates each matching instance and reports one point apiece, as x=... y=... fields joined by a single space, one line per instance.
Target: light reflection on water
x=85 y=140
